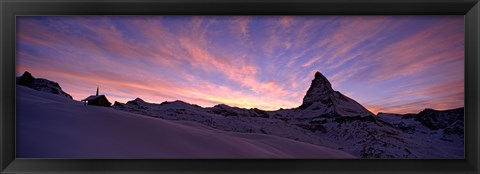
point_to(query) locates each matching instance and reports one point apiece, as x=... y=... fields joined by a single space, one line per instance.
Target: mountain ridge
x=28 y=80
x=41 y=84
x=426 y=134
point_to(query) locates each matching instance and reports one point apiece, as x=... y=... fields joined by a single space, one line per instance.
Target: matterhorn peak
x=321 y=81
x=321 y=78
x=320 y=91
x=321 y=97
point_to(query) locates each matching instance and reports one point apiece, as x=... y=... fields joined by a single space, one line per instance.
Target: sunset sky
x=399 y=64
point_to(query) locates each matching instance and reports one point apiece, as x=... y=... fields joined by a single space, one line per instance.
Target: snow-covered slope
x=224 y=118
x=384 y=136
x=40 y=84
x=53 y=126
x=442 y=131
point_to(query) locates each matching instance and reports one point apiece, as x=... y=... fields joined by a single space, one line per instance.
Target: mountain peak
x=26 y=79
x=320 y=91
x=318 y=74
x=27 y=74
x=40 y=84
x=321 y=96
x=137 y=101
x=320 y=80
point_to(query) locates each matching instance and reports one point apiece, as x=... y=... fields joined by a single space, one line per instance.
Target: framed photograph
x=239 y=87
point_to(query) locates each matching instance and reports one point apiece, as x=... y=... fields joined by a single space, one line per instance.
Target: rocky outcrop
x=435 y=120
x=40 y=84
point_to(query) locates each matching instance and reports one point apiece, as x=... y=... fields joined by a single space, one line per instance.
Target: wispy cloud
x=386 y=63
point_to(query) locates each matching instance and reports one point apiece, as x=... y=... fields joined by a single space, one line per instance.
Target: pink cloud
x=188 y=52
x=414 y=54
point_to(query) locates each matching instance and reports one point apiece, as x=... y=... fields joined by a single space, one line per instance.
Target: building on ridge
x=97 y=100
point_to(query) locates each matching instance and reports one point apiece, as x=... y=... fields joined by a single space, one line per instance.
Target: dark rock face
x=456 y=128
x=258 y=113
x=435 y=120
x=320 y=91
x=118 y=104
x=40 y=84
x=229 y=111
x=223 y=110
x=26 y=79
x=137 y=101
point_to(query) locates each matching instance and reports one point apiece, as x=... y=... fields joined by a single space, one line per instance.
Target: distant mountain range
x=326 y=117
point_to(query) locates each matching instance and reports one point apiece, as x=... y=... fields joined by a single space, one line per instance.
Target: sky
x=393 y=64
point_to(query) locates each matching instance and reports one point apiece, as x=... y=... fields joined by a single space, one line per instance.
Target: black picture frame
x=11 y=8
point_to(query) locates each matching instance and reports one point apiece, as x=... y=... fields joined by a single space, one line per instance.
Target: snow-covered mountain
x=326 y=119
x=435 y=120
x=384 y=135
x=331 y=119
x=321 y=96
x=340 y=120
x=40 y=84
